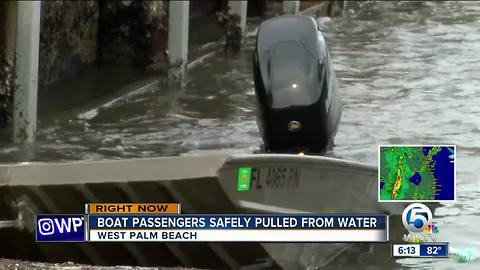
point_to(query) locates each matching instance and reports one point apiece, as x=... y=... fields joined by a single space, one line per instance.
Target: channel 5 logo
x=416 y=217
x=60 y=228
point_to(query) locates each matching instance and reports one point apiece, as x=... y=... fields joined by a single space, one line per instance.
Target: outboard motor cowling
x=299 y=106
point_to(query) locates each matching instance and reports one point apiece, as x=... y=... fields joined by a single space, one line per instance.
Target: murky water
x=408 y=74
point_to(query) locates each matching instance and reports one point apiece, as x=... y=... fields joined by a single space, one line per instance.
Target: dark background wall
x=78 y=37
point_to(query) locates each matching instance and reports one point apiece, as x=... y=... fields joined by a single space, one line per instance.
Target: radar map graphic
x=410 y=173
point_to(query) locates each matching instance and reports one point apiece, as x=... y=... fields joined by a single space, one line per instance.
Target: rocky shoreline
x=9 y=264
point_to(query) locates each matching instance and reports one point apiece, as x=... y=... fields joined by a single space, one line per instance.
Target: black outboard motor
x=299 y=105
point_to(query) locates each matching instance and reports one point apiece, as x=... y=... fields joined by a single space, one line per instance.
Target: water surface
x=408 y=74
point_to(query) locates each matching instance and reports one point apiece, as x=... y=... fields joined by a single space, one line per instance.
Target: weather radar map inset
x=417 y=173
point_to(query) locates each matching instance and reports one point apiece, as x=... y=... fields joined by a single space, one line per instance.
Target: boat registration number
x=276 y=177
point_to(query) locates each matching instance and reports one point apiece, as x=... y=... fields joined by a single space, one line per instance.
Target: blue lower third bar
x=434 y=250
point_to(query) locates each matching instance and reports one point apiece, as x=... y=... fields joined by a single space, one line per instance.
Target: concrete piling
x=178 y=39
x=239 y=8
x=291 y=7
x=26 y=67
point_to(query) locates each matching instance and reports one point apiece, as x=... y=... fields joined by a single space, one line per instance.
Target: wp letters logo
x=60 y=228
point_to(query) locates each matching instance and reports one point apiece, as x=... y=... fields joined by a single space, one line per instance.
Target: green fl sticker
x=244 y=178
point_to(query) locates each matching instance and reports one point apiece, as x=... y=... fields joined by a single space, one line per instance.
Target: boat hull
x=204 y=185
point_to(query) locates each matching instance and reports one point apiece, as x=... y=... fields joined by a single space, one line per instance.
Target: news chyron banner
x=164 y=223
